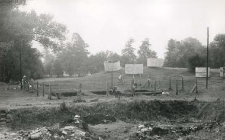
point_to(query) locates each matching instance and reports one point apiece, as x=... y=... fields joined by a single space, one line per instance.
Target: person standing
x=134 y=87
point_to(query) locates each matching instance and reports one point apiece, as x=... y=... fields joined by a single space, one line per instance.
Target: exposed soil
x=133 y=120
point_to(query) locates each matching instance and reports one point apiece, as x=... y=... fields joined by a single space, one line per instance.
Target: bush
x=195 y=61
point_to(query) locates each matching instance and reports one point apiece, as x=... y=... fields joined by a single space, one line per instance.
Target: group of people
x=27 y=83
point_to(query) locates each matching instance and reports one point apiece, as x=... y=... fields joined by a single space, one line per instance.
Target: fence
x=158 y=84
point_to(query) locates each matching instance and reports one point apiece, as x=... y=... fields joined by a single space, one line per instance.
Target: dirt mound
x=2 y=84
x=214 y=111
x=99 y=119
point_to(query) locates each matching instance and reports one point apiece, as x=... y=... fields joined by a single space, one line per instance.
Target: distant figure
x=148 y=80
x=134 y=87
x=23 y=82
x=114 y=90
x=121 y=78
x=116 y=93
x=80 y=123
x=19 y=85
x=31 y=84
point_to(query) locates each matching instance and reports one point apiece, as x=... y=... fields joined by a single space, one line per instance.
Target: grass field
x=21 y=102
x=97 y=82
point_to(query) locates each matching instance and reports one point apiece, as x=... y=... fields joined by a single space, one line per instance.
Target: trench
x=142 y=92
x=128 y=111
x=165 y=118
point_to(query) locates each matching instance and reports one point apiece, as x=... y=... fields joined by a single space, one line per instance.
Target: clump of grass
x=78 y=100
x=63 y=106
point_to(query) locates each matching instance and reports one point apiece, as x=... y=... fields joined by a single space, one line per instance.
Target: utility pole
x=21 y=43
x=112 y=78
x=207 y=60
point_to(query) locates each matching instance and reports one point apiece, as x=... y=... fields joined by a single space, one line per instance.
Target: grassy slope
x=97 y=82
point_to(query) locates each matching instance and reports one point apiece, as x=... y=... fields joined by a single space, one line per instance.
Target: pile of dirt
x=99 y=92
x=141 y=110
x=51 y=133
x=3 y=84
x=95 y=119
x=214 y=111
x=68 y=94
x=172 y=131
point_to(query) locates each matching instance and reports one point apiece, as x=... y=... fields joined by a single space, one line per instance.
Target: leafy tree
x=217 y=51
x=195 y=61
x=18 y=29
x=178 y=52
x=145 y=52
x=128 y=55
x=48 y=62
x=97 y=60
x=57 y=68
x=171 y=54
x=74 y=55
x=113 y=56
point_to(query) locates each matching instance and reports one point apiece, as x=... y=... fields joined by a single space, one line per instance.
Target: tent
x=155 y=62
x=133 y=68
x=112 y=66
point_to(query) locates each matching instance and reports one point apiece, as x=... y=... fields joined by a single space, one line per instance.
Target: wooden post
x=43 y=85
x=149 y=83
x=176 y=87
x=28 y=83
x=182 y=83
x=107 y=89
x=133 y=78
x=32 y=85
x=80 y=90
x=27 y=86
x=140 y=79
x=37 y=88
x=155 y=87
x=112 y=79
x=196 y=82
x=159 y=83
x=49 y=94
x=170 y=87
x=207 y=59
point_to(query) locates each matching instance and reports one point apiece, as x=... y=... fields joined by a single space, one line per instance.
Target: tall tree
x=17 y=31
x=96 y=62
x=145 y=52
x=178 y=52
x=48 y=62
x=74 y=55
x=128 y=55
x=217 y=51
x=58 y=68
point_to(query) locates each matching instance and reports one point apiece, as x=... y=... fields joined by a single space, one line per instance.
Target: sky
x=108 y=24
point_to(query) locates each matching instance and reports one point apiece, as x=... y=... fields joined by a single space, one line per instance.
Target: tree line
x=190 y=53
x=18 y=29
x=74 y=58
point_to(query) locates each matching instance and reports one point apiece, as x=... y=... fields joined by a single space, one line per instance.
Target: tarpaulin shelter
x=112 y=65
x=201 y=72
x=133 y=68
x=155 y=62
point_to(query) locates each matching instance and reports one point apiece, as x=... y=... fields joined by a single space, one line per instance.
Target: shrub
x=195 y=61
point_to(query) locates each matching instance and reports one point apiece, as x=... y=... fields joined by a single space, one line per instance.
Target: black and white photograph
x=112 y=69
